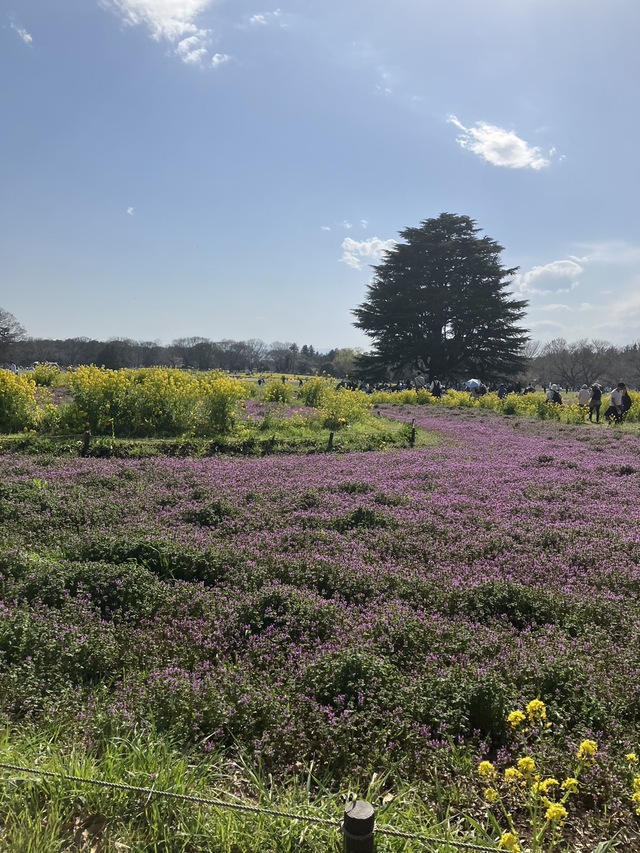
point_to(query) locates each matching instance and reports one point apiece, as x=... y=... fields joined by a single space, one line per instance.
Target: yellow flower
x=491 y=795
x=636 y=783
x=512 y=774
x=516 y=718
x=570 y=785
x=556 y=812
x=486 y=770
x=536 y=711
x=631 y=757
x=587 y=750
x=526 y=765
x=509 y=841
x=543 y=786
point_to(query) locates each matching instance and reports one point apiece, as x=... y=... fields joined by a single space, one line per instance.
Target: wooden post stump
x=357 y=827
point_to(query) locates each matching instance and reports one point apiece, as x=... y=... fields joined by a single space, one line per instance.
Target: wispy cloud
x=555 y=277
x=617 y=252
x=173 y=21
x=26 y=37
x=355 y=253
x=130 y=211
x=498 y=146
x=265 y=18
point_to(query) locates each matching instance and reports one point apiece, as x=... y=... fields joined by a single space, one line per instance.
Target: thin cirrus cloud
x=355 y=253
x=26 y=37
x=498 y=146
x=265 y=18
x=173 y=21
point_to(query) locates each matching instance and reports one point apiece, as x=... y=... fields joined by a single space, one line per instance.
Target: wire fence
x=338 y=825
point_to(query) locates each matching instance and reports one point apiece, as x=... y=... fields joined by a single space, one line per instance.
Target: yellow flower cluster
x=516 y=719
x=635 y=797
x=486 y=770
x=587 y=750
x=526 y=765
x=509 y=841
x=152 y=401
x=535 y=714
x=570 y=785
x=555 y=813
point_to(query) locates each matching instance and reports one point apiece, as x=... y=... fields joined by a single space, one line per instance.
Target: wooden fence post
x=330 y=444
x=357 y=827
x=412 y=437
x=85 y=444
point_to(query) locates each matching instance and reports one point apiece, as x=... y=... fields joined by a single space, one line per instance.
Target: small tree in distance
x=10 y=332
x=440 y=299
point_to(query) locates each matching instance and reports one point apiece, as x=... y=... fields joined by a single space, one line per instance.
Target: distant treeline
x=567 y=364
x=194 y=353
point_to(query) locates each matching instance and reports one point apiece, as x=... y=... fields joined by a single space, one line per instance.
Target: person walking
x=595 y=401
x=584 y=396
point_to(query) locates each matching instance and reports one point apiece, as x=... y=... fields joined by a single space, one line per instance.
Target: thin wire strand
x=240 y=807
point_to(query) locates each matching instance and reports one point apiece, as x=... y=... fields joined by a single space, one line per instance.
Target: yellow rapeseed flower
x=536 y=711
x=509 y=841
x=631 y=757
x=541 y=787
x=570 y=785
x=512 y=774
x=587 y=750
x=516 y=718
x=556 y=813
x=486 y=770
x=491 y=795
x=636 y=783
x=526 y=765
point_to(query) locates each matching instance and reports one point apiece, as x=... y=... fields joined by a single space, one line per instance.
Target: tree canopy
x=10 y=331
x=439 y=298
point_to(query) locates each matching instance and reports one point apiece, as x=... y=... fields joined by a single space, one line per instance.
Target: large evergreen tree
x=439 y=299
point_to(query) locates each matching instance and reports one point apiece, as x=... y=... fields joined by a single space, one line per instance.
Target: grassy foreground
x=429 y=628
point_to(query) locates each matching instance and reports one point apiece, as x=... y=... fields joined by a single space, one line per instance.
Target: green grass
x=279 y=435
x=40 y=814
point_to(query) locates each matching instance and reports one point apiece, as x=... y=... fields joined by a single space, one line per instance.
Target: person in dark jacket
x=595 y=401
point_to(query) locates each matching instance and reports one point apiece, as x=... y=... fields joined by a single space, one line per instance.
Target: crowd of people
x=590 y=399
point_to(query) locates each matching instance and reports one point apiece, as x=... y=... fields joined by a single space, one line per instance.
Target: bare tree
x=10 y=332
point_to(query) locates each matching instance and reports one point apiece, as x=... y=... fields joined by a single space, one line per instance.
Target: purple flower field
x=358 y=610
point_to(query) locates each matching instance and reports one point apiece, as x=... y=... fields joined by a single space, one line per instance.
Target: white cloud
x=555 y=306
x=354 y=252
x=498 y=146
x=169 y=20
x=26 y=37
x=219 y=59
x=348 y=225
x=265 y=18
x=130 y=211
x=364 y=223
x=554 y=277
x=325 y=228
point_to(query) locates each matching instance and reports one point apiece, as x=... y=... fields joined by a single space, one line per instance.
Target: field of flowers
x=361 y=611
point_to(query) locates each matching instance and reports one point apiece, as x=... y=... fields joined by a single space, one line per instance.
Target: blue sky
x=225 y=169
